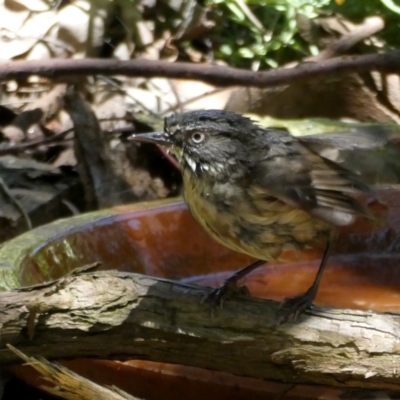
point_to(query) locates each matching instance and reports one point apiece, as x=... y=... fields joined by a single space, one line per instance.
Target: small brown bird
x=259 y=191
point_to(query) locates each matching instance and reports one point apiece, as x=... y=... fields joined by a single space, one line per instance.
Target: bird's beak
x=152 y=137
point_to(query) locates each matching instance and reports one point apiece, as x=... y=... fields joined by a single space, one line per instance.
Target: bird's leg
x=229 y=287
x=295 y=306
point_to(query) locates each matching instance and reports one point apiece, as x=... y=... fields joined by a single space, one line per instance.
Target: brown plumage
x=258 y=191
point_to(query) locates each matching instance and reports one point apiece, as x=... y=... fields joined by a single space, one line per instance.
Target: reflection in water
x=165 y=241
x=363 y=282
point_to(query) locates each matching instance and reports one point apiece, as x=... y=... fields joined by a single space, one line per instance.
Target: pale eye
x=198 y=137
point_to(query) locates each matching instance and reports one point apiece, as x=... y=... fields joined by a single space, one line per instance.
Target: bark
x=120 y=315
x=67 y=70
x=64 y=383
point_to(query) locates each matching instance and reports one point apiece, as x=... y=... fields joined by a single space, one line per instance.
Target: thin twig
x=30 y=145
x=217 y=75
x=370 y=26
x=250 y=16
x=125 y=93
x=74 y=210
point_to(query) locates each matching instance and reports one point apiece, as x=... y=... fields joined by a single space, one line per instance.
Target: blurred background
x=53 y=165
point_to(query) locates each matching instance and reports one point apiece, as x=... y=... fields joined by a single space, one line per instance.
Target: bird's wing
x=298 y=176
x=371 y=152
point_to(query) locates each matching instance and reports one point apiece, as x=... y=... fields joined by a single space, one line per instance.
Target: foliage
x=264 y=33
x=358 y=10
x=277 y=42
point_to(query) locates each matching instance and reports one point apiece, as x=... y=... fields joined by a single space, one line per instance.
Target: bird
x=260 y=191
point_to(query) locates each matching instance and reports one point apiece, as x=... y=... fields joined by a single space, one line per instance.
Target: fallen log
x=124 y=315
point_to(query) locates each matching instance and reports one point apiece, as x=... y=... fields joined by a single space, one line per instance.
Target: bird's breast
x=261 y=228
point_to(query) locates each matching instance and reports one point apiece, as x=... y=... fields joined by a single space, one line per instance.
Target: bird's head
x=208 y=142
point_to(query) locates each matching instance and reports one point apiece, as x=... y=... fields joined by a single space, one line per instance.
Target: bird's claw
x=293 y=307
x=217 y=297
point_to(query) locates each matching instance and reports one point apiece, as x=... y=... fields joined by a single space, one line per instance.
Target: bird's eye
x=198 y=137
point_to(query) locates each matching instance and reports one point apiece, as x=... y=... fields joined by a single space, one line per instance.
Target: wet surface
x=165 y=241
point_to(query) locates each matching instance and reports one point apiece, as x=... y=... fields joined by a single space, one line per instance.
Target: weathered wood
x=66 y=384
x=121 y=315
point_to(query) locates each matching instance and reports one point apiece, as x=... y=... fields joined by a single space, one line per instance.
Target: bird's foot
x=217 y=297
x=293 y=307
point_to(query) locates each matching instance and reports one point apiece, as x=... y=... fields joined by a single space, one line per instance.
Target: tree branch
x=121 y=315
x=63 y=69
